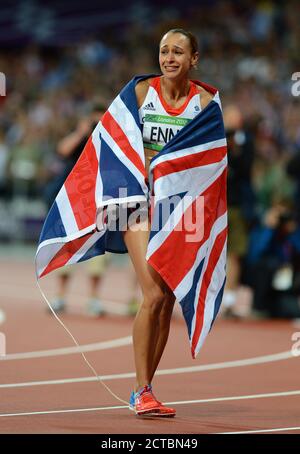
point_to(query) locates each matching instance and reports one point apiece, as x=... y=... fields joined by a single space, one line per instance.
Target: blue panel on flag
x=187 y=303
x=117 y=180
x=218 y=303
x=115 y=242
x=129 y=99
x=98 y=248
x=53 y=227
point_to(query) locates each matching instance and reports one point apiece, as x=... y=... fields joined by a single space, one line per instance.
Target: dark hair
x=189 y=35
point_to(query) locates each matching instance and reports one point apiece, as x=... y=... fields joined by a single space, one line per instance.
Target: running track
x=245 y=379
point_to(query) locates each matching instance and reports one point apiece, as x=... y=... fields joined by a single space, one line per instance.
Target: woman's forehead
x=175 y=39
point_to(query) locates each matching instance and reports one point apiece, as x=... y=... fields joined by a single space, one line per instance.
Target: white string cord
x=77 y=344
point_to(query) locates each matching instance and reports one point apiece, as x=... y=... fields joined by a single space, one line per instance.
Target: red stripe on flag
x=173 y=259
x=117 y=134
x=64 y=254
x=81 y=185
x=212 y=262
x=190 y=161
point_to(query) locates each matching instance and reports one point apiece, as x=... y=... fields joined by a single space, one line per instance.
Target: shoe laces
x=144 y=389
x=145 y=393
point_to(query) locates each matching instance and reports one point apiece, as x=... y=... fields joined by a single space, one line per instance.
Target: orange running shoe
x=144 y=402
x=162 y=411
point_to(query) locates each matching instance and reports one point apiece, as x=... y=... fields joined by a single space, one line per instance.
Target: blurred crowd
x=249 y=50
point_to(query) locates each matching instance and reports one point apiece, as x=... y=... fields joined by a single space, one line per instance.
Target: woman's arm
x=141 y=90
x=205 y=97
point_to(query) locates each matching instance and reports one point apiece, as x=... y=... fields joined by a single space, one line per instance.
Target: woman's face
x=175 y=55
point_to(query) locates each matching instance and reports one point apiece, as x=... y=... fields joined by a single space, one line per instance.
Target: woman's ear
x=194 y=60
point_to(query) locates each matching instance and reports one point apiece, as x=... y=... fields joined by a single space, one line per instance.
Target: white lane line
x=181 y=402
x=55 y=412
x=251 y=396
x=182 y=370
x=104 y=345
x=68 y=381
x=280 y=429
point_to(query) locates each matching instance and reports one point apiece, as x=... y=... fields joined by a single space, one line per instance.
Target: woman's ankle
x=140 y=386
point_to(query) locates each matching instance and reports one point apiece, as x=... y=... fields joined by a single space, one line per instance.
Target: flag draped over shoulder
x=187 y=244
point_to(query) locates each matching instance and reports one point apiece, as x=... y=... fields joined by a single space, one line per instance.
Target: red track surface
x=29 y=329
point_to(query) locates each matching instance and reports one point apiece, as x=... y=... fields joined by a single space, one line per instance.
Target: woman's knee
x=154 y=300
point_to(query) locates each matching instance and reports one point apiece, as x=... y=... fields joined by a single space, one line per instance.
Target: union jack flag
x=188 y=175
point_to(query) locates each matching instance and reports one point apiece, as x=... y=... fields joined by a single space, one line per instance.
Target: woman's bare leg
x=163 y=332
x=147 y=332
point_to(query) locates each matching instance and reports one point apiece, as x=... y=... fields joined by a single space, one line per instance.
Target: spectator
x=274 y=262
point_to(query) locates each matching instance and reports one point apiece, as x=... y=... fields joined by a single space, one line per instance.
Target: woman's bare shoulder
x=205 y=96
x=141 y=90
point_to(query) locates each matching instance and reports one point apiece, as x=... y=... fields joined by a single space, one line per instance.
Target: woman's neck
x=174 y=90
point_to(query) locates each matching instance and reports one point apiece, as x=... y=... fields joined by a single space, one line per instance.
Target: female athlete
x=161 y=101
